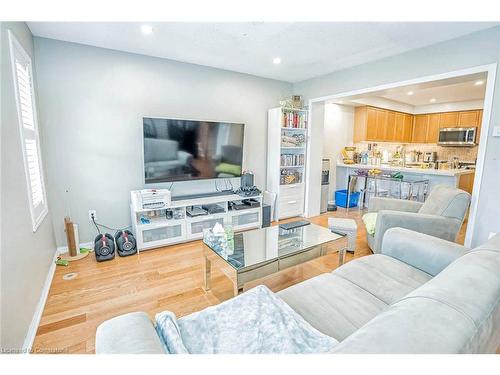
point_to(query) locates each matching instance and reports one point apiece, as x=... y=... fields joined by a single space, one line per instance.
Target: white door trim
x=490 y=69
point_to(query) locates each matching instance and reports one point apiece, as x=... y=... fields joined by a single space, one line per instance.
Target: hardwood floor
x=169 y=278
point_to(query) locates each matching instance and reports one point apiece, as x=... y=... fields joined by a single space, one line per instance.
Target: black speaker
x=125 y=243
x=266 y=215
x=246 y=180
x=104 y=247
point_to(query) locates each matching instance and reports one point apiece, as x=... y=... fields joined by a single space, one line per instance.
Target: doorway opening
x=410 y=116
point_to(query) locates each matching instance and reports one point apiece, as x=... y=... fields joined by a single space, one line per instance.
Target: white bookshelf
x=163 y=230
x=287 y=144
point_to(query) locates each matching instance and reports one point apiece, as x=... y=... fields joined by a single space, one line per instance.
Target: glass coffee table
x=262 y=252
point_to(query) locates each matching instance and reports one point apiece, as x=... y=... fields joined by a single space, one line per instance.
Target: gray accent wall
x=92 y=101
x=26 y=257
x=476 y=49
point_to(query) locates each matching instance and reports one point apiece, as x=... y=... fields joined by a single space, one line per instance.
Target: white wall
x=385 y=103
x=92 y=101
x=449 y=107
x=25 y=256
x=314 y=156
x=338 y=133
x=472 y=50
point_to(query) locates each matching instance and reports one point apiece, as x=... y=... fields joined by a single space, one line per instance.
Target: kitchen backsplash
x=443 y=153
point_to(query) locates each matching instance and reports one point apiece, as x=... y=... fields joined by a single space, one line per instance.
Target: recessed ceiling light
x=276 y=60
x=146 y=29
x=479 y=83
x=433 y=100
x=410 y=92
x=340 y=102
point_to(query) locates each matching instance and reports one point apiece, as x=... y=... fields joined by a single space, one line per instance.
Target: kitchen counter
x=461 y=178
x=426 y=171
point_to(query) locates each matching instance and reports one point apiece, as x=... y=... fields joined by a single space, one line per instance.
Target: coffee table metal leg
x=207 y=270
x=342 y=256
x=237 y=289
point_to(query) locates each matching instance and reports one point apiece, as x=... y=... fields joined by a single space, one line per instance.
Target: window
x=28 y=125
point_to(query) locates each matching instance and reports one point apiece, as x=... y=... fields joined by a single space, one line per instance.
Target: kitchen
x=401 y=142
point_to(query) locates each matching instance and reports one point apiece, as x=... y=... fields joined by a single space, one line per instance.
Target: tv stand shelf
x=171 y=225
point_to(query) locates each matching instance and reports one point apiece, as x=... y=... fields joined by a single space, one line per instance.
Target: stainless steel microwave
x=460 y=137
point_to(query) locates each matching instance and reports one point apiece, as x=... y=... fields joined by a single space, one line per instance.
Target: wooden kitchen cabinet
x=420 y=127
x=448 y=120
x=433 y=128
x=479 y=124
x=382 y=125
x=408 y=127
x=391 y=127
x=467 y=119
x=370 y=124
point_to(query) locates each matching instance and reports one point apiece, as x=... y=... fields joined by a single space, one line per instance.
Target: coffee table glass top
x=257 y=247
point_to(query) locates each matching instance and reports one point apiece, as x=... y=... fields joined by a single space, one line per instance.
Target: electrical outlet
x=491 y=235
x=92 y=214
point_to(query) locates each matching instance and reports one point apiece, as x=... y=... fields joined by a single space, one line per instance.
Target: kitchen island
x=461 y=178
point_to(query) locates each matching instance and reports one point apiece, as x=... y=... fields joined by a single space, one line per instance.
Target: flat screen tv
x=179 y=150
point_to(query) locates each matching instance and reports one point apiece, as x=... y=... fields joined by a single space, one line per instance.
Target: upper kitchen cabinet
x=467 y=119
x=391 y=128
x=462 y=119
x=365 y=119
x=381 y=125
x=420 y=128
x=448 y=119
x=433 y=128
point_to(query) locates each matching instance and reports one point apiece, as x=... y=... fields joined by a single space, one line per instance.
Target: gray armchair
x=440 y=216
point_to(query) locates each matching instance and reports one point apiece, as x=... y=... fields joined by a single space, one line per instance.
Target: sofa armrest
x=132 y=333
x=433 y=225
x=184 y=157
x=427 y=253
x=378 y=203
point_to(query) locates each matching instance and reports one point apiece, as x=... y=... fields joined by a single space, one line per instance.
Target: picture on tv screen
x=177 y=150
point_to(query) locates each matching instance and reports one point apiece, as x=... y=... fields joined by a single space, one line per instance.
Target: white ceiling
x=306 y=49
x=448 y=92
x=458 y=91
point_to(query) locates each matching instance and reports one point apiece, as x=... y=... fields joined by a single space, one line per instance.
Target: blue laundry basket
x=341 y=198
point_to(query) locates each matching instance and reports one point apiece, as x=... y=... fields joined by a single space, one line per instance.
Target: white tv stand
x=162 y=230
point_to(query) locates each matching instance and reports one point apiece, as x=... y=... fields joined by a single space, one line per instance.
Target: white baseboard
x=64 y=249
x=37 y=316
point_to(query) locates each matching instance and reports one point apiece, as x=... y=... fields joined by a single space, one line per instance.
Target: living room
x=163 y=174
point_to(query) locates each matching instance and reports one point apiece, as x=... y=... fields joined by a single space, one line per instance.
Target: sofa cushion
x=333 y=305
x=458 y=311
x=446 y=201
x=471 y=286
x=411 y=326
x=384 y=277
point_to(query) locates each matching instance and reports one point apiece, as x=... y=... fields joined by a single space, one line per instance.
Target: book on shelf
x=294 y=120
x=292 y=160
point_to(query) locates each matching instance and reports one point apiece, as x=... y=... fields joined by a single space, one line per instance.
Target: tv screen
x=178 y=150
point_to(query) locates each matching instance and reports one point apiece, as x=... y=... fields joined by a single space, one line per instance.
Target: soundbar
x=202 y=195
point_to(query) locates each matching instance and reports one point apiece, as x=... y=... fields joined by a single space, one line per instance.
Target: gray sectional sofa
x=422 y=294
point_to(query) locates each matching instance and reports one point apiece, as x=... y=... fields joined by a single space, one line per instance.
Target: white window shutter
x=25 y=98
